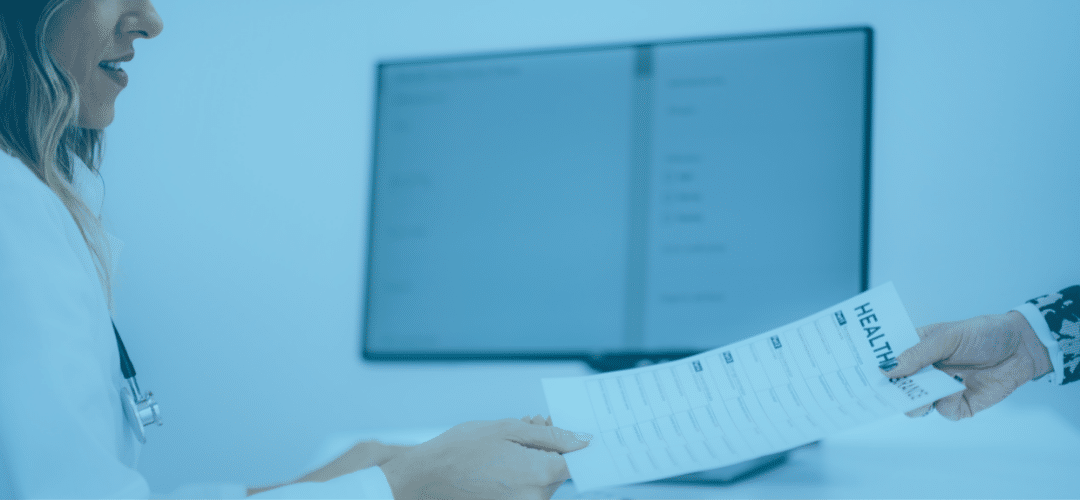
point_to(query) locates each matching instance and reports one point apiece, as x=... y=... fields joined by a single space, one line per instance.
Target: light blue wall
x=237 y=169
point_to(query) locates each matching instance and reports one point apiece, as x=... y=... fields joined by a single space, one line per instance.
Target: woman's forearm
x=361 y=456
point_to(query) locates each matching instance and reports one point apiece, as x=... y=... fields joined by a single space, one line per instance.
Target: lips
x=124 y=58
x=115 y=72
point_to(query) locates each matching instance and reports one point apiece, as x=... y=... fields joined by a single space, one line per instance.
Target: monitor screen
x=646 y=199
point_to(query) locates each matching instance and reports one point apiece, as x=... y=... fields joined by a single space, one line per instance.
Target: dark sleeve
x=1062 y=314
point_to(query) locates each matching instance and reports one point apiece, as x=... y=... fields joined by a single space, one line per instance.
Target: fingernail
x=583 y=437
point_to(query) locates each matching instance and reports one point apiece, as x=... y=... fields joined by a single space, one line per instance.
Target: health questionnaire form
x=775 y=391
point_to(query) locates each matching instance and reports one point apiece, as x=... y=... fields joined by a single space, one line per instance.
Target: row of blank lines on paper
x=713 y=410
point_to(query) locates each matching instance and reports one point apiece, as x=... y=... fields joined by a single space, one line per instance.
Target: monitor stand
x=732 y=473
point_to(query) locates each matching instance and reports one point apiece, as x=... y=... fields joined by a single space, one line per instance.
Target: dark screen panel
x=650 y=198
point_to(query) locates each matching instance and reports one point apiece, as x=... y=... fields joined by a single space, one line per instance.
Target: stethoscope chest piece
x=141 y=411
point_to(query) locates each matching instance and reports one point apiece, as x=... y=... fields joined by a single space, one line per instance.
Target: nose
x=144 y=21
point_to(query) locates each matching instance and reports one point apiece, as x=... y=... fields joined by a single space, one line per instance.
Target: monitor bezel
x=614 y=359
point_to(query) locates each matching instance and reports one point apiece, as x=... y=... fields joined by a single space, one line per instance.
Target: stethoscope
x=141 y=409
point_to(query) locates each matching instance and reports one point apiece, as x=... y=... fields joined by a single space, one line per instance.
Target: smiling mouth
x=115 y=72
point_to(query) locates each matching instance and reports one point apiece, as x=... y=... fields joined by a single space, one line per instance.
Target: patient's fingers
x=921 y=411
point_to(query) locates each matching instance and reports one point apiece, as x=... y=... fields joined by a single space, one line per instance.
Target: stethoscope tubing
x=141 y=409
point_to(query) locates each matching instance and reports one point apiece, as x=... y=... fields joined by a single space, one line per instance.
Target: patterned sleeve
x=1062 y=314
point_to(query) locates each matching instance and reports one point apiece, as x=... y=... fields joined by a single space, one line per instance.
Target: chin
x=98 y=119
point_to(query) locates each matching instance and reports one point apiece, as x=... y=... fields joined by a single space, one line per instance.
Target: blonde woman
x=63 y=428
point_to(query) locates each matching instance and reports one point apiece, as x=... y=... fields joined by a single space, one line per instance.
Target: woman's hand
x=485 y=460
x=992 y=355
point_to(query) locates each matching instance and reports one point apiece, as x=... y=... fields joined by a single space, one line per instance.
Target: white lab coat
x=63 y=433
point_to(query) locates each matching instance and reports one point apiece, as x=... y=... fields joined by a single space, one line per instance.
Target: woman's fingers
x=921 y=411
x=938 y=342
x=955 y=407
x=548 y=438
x=550 y=489
x=557 y=469
x=537 y=420
x=985 y=388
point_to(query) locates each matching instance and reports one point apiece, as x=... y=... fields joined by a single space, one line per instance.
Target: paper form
x=776 y=391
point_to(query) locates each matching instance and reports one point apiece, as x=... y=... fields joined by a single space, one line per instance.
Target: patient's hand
x=992 y=355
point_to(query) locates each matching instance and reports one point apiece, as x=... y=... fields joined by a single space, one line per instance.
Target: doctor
x=63 y=428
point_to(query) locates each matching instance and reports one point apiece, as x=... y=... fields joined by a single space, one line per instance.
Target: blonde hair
x=39 y=106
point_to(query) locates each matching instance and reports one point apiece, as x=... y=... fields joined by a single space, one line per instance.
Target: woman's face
x=85 y=35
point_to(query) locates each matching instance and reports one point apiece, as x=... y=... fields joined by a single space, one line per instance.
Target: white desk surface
x=1004 y=452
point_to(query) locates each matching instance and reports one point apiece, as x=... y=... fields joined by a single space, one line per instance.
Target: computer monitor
x=616 y=203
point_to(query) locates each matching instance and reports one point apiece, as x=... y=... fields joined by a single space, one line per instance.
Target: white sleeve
x=206 y=490
x=1042 y=330
x=364 y=483
x=62 y=431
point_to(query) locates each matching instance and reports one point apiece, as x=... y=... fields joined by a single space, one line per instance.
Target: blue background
x=236 y=173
